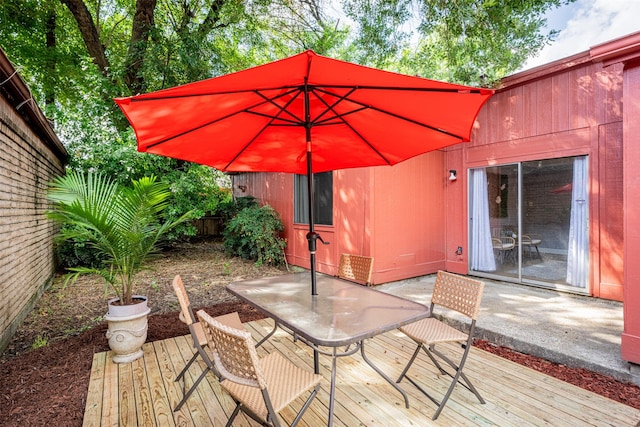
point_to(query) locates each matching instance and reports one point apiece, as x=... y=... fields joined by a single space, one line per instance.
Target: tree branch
x=212 y=17
x=143 y=22
x=89 y=33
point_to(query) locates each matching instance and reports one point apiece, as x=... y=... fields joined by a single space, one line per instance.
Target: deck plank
x=145 y=392
x=110 y=410
x=172 y=389
x=142 y=393
x=127 y=409
x=162 y=411
x=93 y=406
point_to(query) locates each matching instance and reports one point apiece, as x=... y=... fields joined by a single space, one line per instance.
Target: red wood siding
x=395 y=214
x=611 y=214
x=631 y=125
x=577 y=111
x=408 y=218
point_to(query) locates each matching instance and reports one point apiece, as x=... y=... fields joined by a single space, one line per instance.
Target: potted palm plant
x=123 y=227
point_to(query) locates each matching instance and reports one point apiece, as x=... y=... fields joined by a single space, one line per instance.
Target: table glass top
x=342 y=312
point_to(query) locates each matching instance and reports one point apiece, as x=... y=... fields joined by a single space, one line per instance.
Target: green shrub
x=194 y=188
x=200 y=189
x=197 y=188
x=76 y=253
x=254 y=233
x=230 y=208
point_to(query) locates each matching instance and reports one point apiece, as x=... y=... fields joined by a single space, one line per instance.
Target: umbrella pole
x=312 y=235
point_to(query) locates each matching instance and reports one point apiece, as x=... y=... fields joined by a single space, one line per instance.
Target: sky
x=587 y=23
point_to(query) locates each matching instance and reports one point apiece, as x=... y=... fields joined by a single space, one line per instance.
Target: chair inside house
x=356 y=268
x=198 y=337
x=262 y=387
x=463 y=295
x=504 y=248
x=531 y=241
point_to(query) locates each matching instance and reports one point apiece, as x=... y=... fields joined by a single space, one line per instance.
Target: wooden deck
x=144 y=392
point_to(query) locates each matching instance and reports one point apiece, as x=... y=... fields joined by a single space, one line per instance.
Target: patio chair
x=198 y=337
x=263 y=387
x=504 y=247
x=356 y=268
x=530 y=241
x=458 y=293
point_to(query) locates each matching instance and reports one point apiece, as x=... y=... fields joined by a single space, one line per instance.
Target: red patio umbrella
x=303 y=114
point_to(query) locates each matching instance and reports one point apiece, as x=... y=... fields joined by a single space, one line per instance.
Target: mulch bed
x=629 y=394
x=48 y=386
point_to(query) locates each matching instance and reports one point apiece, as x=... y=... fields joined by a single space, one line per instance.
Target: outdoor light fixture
x=242 y=188
x=452 y=175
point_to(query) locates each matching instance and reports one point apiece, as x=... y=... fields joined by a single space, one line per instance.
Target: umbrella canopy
x=303 y=114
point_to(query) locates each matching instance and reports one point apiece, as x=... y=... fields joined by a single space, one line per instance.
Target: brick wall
x=27 y=262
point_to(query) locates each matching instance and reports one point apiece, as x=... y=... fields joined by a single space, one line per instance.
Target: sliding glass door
x=528 y=222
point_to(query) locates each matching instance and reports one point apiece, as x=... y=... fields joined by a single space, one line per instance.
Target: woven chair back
x=355 y=267
x=186 y=315
x=458 y=293
x=234 y=352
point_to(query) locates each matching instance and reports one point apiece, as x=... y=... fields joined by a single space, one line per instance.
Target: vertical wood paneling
x=611 y=212
x=562 y=115
x=408 y=227
x=559 y=102
x=455 y=214
x=527 y=101
x=631 y=179
x=542 y=124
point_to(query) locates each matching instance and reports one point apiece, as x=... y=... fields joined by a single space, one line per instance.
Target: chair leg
x=192 y=389
x=266 y=337
x=272 y=417
x=413 y=358
x=456 y=379
x=305 y=406
x=234 y=415
x=431 y=351
x=186 y=367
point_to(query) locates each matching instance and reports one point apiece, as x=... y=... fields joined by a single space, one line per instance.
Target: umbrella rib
x=244 y=110
x=470 y=90
x=389 y=113
x=330 y=107
x=340 y=116
x=283 y=108
x=462 y=90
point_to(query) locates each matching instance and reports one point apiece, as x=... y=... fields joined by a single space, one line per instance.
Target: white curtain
x=578 y=251
x=481 y=252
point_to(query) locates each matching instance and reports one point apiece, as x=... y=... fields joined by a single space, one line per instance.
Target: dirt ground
x=45 y=370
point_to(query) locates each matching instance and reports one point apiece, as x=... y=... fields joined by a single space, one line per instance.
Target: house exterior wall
x=631 y=334
x=571 y=108
x=30 y=156
x=397 y=202
x=587 y=104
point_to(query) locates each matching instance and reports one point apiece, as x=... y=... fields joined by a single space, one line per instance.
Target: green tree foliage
x=77 y=55
x=473 y=42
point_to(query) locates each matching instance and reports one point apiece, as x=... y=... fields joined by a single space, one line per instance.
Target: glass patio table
x=339 y=318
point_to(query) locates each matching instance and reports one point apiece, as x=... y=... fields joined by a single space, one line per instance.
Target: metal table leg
x=332 y=389
x=383 y=375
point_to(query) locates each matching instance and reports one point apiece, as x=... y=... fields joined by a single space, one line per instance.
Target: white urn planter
x=127 y=328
